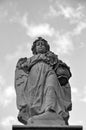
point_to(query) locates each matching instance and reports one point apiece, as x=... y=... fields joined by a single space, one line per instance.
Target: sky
x=63 y=24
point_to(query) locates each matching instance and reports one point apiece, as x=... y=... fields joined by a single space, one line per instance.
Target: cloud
x=82 y=44
x=2 y=81
x=8 y=10
x=79 y=28
x=8 y=121
x=67 y=12
x=70 y=12
x=75 y=15
x=63 y=43
x=15 y=18
x=53 y=12
x=75 y=93
x=34 y=30
x=79 y=122
x=14 y=55
x=21 y=51
x=24 y=50
x=7 y=95
x=42 y=29
x=3 y=14
x=74 y=90
x=83 y=99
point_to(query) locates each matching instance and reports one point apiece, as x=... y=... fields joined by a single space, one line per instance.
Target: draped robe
x=38 y=88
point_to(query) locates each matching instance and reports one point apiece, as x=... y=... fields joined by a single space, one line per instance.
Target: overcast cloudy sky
x=63 y=24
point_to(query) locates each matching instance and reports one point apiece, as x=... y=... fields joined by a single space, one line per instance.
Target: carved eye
x=40 y=43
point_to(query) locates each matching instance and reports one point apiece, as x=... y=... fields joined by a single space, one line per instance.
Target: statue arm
x=63 y=72
x=21 y=75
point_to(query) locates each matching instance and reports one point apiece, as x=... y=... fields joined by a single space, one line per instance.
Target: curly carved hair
x=33 y=48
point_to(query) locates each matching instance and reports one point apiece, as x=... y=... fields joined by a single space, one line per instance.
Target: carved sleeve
x=21 y=75
x=63 y=72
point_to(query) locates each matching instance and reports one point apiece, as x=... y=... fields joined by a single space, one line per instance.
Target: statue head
x=40 y=45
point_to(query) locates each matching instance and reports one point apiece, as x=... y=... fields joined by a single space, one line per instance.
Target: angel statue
x=42 y=86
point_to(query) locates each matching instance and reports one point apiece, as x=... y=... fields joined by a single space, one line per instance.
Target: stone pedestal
x=21 y=127
x=46 y=121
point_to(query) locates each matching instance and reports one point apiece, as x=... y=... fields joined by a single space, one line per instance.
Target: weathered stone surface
x=42 y=85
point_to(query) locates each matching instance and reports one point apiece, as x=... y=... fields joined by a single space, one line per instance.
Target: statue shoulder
x=51 y=57
x=21 y=61
x=51 y=54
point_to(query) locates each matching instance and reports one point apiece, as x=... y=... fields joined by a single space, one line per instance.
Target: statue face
x=40 y=47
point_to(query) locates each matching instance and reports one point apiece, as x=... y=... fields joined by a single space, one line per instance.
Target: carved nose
x=40 y=44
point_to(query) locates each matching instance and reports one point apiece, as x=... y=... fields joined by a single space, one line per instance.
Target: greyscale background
x=63 y=24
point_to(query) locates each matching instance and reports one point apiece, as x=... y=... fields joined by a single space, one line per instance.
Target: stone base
x=20 y=127
x=46 y=119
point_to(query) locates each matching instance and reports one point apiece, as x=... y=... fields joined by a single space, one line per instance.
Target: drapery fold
x=38 y=87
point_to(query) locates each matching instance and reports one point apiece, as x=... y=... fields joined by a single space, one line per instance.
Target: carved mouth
x=41 y=48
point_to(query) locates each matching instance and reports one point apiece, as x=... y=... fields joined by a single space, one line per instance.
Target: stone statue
x=42 y=86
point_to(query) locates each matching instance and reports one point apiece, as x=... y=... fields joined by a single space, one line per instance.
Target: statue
x=42 y=85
